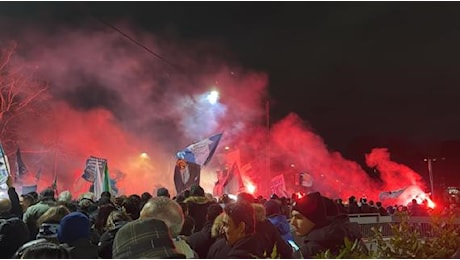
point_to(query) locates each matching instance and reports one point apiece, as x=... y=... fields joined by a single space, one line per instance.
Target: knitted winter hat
x=312 y=207
x=73 y=227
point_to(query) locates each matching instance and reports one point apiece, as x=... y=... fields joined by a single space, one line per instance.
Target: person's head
x=47 y=194
x=73 y=227
x=213 y=211
x=272 y=208
x=45 y=250
x=65 y=196
x=53 y=215
x=167 y=210
x=308 y=213
x=26 y=200
x=197 y=190
x=102 y=215
x=106 y=194
x=144 y=238
x=145 y=197
x=244 y=196
x=238 y=221
x=132 y=207
x=5 y=206
x=163 y=192
x=115 y=217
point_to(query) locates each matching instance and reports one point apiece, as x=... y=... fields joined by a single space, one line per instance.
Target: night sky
x=361 y=74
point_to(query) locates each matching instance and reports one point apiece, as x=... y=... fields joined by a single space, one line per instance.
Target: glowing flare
x=251 y=188
x=213 y=96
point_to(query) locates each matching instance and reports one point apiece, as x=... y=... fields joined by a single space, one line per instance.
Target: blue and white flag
x=200 y=152
x=4 y=166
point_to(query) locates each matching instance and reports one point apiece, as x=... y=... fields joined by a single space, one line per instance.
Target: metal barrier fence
x=422 y=224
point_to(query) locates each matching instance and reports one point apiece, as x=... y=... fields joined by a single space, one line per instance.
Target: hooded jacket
x=327 y=237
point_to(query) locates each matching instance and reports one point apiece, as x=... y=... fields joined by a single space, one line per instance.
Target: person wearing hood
x=310 y=221
x=274 y=215
x=197 y=206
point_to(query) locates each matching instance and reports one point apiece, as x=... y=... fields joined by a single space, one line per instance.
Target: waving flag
x=101 y=179
x=233 y=183
x=200 y=152
x=89 y=173
x=21 y=168
x=185 y=175
x=391 y=194
x=4 y=166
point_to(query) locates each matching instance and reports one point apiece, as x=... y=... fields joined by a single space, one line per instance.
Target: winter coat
x=33 y=213
x=327 y=237
x=245 y=248
x=197 y=209
x=201 y=241
x=13 y=234
x=81 y=249
x=282 y=225
x=106 y=241
x=268 y=237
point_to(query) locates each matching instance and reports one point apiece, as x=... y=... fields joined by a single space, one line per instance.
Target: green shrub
x=442 y=241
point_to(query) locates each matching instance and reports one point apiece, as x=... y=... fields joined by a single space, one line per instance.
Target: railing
x=373 y=220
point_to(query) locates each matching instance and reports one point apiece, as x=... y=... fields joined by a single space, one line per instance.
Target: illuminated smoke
x=394 y=175
x=114 y=100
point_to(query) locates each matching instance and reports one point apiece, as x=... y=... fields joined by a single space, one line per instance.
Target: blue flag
x=20 y=165
x=200 y=152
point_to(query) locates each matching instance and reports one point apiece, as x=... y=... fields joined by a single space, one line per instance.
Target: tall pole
x=267 y=119
x=430 y=174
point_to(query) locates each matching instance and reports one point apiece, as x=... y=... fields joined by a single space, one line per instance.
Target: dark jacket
x=201 y=241
x=282 y=225
x=268 y=237
x=16 y=208
x=330 y=237
x=197 y=209
x=106 y=241
x=13 y=234
x=245 y=248
x=82 y=249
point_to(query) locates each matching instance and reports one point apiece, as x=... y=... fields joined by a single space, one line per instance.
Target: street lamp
x=430 y=172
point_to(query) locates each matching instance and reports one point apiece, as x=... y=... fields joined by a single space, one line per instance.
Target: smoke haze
x=112 y=99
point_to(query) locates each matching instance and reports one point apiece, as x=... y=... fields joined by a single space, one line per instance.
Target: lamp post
x=430 y=172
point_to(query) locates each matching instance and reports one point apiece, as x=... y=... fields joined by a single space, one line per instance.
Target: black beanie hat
x=312 y=207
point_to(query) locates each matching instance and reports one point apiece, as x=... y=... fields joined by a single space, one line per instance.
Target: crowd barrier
x=422 y=224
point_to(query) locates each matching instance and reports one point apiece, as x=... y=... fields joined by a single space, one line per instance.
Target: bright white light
x=213 y=96
x=251 y=188
x=144 y=156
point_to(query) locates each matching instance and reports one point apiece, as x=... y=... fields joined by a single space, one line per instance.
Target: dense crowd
x=193 y=224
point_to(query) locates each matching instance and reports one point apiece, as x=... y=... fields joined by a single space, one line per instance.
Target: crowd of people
x=193 y=224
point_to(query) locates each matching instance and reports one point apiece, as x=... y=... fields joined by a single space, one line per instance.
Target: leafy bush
x=441 y=241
